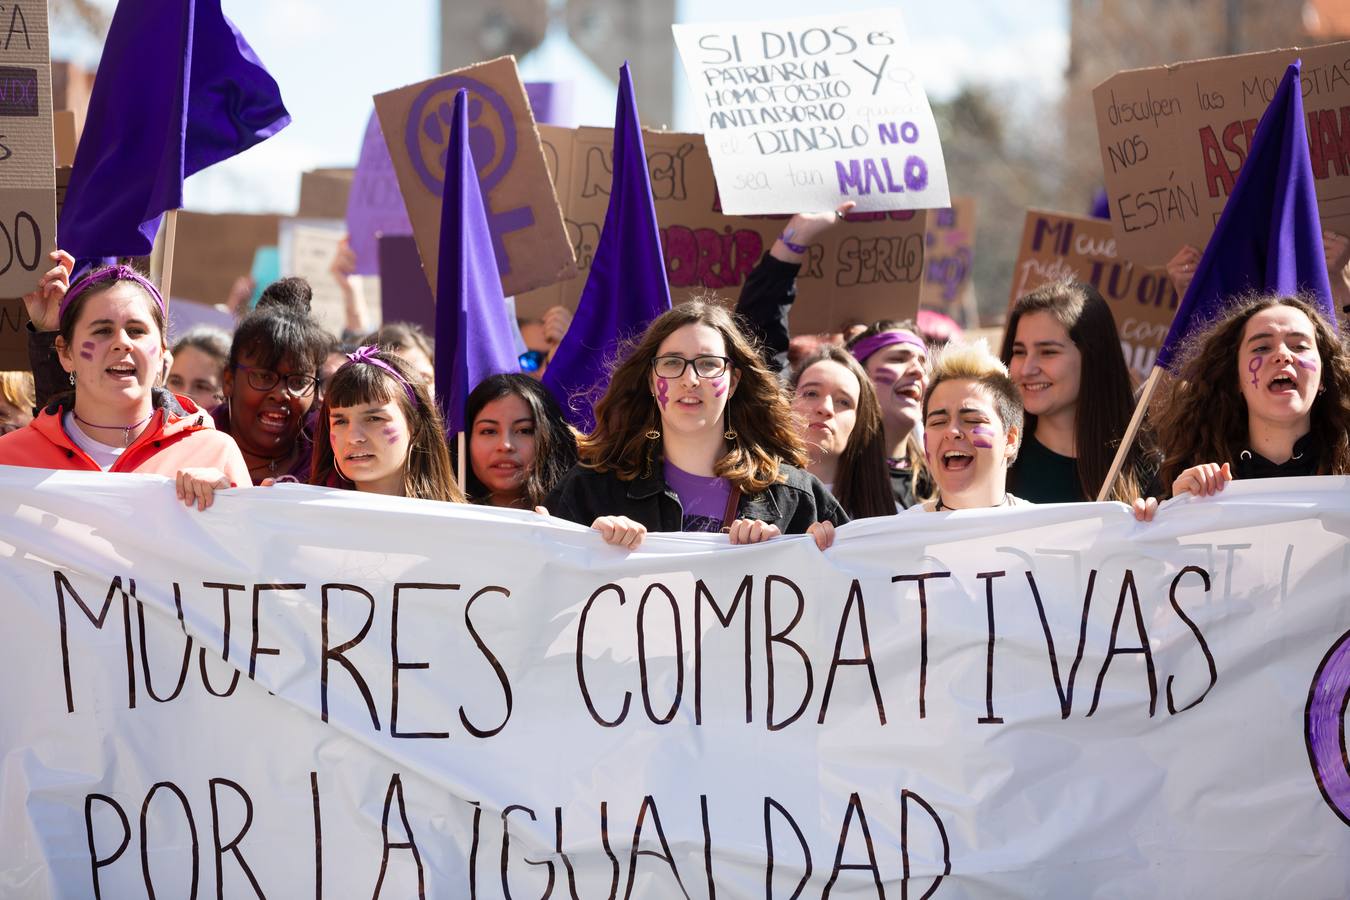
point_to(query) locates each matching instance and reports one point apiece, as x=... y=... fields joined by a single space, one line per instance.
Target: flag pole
x=164 y=276
x=1126 y=442
x=459 y=458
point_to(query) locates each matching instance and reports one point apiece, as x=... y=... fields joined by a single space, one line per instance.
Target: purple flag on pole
x=1269 y=236
x=627 y=287
x=178 y=90
x=475 y=337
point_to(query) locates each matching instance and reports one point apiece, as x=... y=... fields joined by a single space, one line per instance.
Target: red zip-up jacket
x=180 y=436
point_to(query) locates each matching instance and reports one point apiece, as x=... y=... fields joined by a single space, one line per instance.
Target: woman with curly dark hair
x=1263 y=392
x=694 y=434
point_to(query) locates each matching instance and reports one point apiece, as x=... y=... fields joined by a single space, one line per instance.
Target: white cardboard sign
x=803 y=114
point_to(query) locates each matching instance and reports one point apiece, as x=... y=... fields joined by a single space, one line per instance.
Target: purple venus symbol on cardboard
x=492 y=140
x=1323 y=725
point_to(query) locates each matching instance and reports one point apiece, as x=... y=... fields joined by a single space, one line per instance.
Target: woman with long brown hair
x=840 y=418
x=1263 y=392
x=1062 y=350
x=694 y=434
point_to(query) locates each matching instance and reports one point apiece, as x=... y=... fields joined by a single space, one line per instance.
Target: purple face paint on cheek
x=392 y=433
x=662 y=391
x=720 y=385
x=885 y=377
x=87 y=350
x=1309 y=364
x=1255 y=366
x=982 y=436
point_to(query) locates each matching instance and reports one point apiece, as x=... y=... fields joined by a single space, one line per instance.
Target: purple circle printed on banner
x=492 y=132
x=1324 y=727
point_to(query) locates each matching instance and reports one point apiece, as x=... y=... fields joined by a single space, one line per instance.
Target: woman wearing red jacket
x=111 y=341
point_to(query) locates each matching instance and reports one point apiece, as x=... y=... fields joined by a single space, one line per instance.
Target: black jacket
x=765 y=301
x=794 y=504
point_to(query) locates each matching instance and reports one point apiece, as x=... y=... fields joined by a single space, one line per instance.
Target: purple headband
x=367 y=355
x=109 y=275
x=867 y=346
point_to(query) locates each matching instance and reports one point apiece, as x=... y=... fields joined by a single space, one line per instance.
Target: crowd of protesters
x=711 y=421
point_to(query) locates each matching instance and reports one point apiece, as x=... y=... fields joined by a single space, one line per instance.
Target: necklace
x=125 y=429
x=941 y=506
x=272 y=464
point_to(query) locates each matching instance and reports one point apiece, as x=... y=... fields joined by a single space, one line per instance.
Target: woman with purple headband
x=111 y=342
x=379 y=431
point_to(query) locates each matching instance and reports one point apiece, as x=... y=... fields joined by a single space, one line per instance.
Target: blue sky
x=331 y=56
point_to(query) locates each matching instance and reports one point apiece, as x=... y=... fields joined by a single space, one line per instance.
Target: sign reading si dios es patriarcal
x=803 y=114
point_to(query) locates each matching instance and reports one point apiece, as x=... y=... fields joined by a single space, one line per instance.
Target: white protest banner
x=469 y=702
x=803 y=114
x=27 y=150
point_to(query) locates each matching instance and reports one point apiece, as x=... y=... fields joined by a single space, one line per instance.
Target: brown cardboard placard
x=213 y=249
x=1143 y=301
x=63 y=132
x=1174 y=137
x=307 y=248
x=948 y=283
x=868 y=268
x=533 y=249
x=27 y=178
x=324 y=193
x=72 y=86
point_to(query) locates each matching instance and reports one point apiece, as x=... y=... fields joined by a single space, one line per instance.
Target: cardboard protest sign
x=803 y=114
x=407 y=698
x=211 y=250
x=27 y=179
x=948 y=285
x=1174 y=137
x=531 y=244
x=307 y=248
x=324 y=193
x=375 y=205
x=867 y=268
x=1143 y=301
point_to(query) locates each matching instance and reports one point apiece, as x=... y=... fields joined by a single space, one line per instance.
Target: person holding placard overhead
x=694 y=434
x=111 y=342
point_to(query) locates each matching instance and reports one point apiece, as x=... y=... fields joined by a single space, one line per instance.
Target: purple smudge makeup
x=1309 y=364
x=392 y=433
x=87 y=350
x=886 y=377
x=719 y=385
x=982 y=436
x=1255 y=366
x=662 y=392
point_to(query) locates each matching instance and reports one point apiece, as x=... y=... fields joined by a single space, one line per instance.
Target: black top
x=1041 y=475
x=766 y=298
x=902 y=483
x=1305 y=461
x=793 y=504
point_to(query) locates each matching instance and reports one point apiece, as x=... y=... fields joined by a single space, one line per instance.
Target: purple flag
x=1269 y=236
x=375 y=205
x=627 y=287
x=178 y=90
x=475 y=337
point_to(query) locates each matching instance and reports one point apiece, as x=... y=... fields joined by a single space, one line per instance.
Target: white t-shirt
x=103 y=455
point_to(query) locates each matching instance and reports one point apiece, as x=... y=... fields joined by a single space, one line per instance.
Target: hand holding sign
x=44 y=303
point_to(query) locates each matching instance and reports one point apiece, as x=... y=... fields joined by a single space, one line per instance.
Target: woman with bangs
x=378 y=431
x=694 y=434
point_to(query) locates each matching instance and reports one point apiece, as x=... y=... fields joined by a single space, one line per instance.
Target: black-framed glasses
x=532 y=360
x=298 y=384
x=673 y=366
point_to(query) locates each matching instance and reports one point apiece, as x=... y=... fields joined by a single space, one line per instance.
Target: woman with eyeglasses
x=110 y=340
x=270 y=385
x=695 y=434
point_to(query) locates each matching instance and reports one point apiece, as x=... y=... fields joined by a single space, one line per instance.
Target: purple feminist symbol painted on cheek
x=1323 y=725
x=662 y=391
x=982 y=436
x=87 y=350
x=1255 y=366
x=720 y=385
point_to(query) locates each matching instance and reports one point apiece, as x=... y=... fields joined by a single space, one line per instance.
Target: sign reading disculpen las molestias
x=804 y=114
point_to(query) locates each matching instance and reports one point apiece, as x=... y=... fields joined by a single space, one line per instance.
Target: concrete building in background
x=606 y=31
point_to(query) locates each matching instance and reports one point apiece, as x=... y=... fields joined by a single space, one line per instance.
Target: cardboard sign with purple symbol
x=803 y=114
x=27 y=173
x=528 y=236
